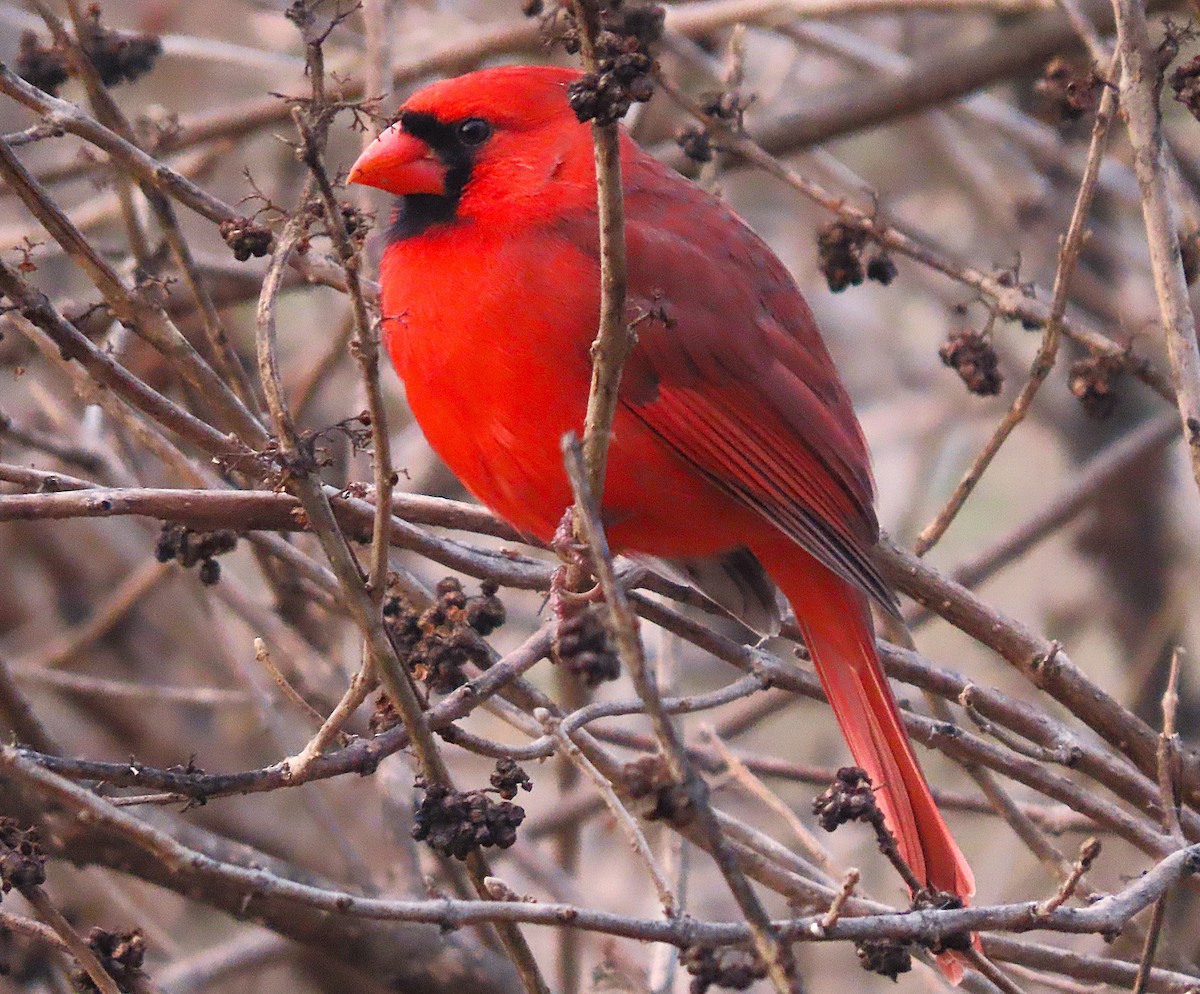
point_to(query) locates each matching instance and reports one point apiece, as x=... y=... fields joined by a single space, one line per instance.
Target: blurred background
x=122 y=656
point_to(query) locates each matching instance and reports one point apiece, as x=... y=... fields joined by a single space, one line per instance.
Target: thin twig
x=628 y=824
x=47 y=912
x=364 y=610
x=1089 y=849
x=629 y=647
x=615 y=336
x=1068 y=259
x=1141 y=83
x=262 y=656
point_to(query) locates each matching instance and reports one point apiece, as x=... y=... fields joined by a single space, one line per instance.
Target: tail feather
x=836 y=623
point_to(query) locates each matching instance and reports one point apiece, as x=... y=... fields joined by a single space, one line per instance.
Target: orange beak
x=400 y=164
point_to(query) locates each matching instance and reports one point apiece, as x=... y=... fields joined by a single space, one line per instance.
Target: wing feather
x=732 y=373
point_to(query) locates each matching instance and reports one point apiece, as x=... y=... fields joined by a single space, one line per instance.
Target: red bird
x=734 y=443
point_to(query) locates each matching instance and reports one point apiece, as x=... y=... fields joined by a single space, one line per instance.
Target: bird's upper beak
x=401 y=164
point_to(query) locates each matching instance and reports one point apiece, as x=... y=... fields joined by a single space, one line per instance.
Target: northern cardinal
x=735 y=449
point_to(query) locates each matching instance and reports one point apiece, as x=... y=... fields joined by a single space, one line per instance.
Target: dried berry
x=456 y=823
x=839 y=255
x=39 y=65
x=928 y=899
x=437 y=644
x=1185 y=81
x=486 y=612
x=1067 y=91
x=209 y=572
x=508 y=778
x=970 y=354
x=191 y=548
x=384 y=715
x=356 y=222
x=695 y=144
x=625 y=69
x=731 y=968
x=22 y=862
x=120 y=953
x=1093 y=383
x=246 y=238
x=849 y=798
x=119 y=57
x=584 y=646
x=882 y=269
x=887 y=957
x=648 y=777
x=643 y=22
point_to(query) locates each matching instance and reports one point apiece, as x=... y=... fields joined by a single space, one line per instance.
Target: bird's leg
x=568 y=590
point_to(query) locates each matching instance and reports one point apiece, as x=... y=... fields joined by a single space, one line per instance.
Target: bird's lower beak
x=400 y=164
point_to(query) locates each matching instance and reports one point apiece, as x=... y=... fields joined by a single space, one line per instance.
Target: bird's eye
x=474 y=131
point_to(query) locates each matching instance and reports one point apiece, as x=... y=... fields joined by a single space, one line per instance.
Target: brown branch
x=629 y=646
x=615 y=337
x=1141 y=83
x=364 y=610
x=1068 y=259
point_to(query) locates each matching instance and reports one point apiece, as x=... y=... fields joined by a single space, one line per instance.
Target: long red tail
x=836 y=623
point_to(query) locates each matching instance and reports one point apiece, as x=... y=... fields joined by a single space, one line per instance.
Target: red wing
x=736 y=378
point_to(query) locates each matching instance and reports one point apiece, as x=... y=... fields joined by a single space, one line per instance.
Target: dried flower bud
x=1067 y=92
x=1093 y=383
x=970 y=354
x=39 y=65
x=1185 y=81
x=839 y=254
x=887 y=957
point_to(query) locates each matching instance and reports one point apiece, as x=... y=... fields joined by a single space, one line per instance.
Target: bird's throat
x=416 y=213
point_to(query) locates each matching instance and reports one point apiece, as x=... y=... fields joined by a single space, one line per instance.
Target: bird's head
x=478 y=147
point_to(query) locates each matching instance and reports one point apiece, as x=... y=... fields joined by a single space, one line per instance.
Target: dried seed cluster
x=356 y=222
x=120 y=953
x=928 y=899
x=731 y=968
x=246 y=238
x=384 y=715
x=887 y=957
x=507 y=778
x=190 y=548
x=119 y=56
x=648 y=777
x=40 y=65
x=625 y=66
x=436 y=644
x=695 y=143
x=1067 y=91
x=971 y=354
x=584 y=645
x=22 y=862
x=840 y=248
x=1093 y=383
x=456 y=823
x=849 y=798
x=1185 y=81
